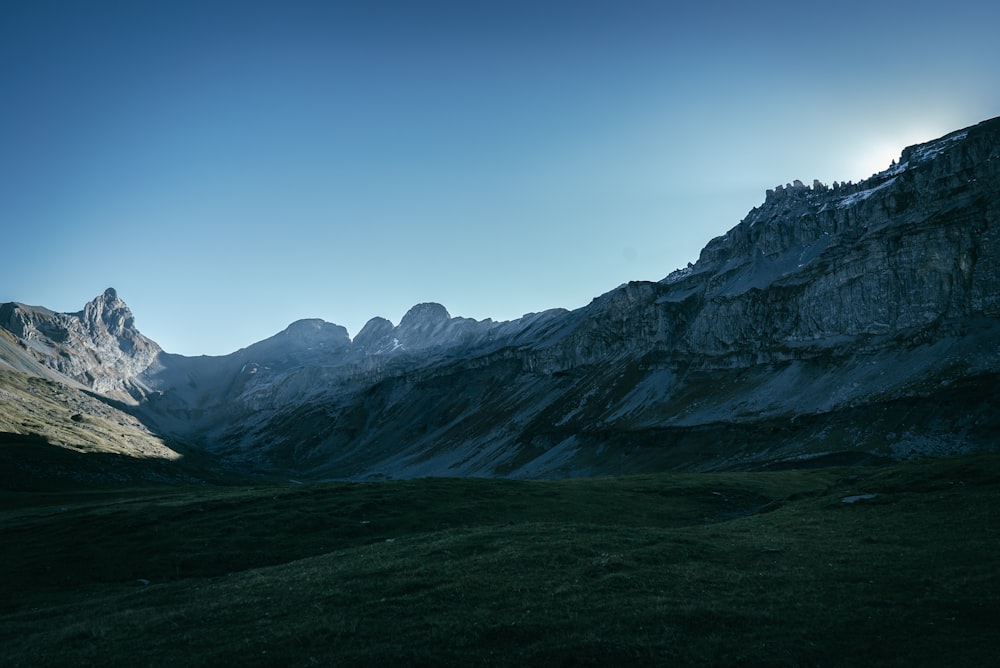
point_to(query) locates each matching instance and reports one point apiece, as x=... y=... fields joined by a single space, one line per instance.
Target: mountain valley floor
x=891 y=565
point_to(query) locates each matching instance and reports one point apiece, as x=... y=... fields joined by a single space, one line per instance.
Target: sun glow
x=876 y=157
x=878 y=153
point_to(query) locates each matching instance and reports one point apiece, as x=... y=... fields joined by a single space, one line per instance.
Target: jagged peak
x=797 y=189
x=919 y=153
x=110 y=313
x=796 y=217
x=107 y=298
x=911 y=156
x=106 y=301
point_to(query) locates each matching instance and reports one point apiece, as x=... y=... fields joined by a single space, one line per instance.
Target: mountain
x=98 y=347
x=841 y=323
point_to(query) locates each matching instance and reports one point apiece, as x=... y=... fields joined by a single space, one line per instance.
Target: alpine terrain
x=808 y=416
x=841 y=323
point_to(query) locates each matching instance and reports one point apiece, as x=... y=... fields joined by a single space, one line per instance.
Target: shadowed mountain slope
x=837 y=322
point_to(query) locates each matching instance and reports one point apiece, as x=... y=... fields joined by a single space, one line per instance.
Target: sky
x=231 y=167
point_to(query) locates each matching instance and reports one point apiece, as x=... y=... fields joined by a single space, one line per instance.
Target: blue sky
x=230 y=167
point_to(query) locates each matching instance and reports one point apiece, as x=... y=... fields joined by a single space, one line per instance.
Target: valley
x=784 y=454
x=768 y=568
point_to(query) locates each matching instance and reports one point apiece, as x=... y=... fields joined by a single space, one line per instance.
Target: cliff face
x=98 y=347
x=833 y=323
x=909 y=247
x=853 y=318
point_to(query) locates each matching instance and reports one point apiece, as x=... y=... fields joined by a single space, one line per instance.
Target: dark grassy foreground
x=705 y=569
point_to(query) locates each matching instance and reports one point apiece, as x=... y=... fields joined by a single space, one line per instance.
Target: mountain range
x=841 y=323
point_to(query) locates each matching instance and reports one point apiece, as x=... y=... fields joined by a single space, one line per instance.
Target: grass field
x=768 y=568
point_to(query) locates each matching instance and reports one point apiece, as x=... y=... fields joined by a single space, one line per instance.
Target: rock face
x=907 y=248
x=834 y=323
x=98 y=347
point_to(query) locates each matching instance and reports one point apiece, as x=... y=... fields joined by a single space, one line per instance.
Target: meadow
x=743 y=569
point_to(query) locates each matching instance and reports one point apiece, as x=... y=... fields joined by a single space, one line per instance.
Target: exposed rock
x=423 y=325
x=303 y=340
x=431 y=326
x=860 y=318
x=98 y=347
x=377 y=336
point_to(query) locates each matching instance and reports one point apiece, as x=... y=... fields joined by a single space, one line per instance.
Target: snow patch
x=677 y=275
x=932 y=150
x=923 y=153
x=853 y=199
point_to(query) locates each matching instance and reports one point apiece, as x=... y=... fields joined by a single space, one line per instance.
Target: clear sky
x=230 y=167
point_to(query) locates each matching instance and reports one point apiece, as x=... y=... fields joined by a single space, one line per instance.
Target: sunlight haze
x=230 y=167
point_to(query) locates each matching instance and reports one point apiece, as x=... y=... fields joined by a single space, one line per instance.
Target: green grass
x=40 y=410
x=667 y=569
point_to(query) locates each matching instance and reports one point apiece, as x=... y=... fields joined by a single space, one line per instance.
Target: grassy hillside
x=46 y=411
x=669 y=569
x=55 y=436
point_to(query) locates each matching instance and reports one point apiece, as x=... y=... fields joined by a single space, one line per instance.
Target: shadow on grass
x=30 y=463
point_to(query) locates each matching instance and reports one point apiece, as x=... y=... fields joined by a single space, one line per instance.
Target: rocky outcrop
x=98 y=347
x=376 y=337
x=910 y=247
x=833 y=322
x=311 y=341
x=823 y=303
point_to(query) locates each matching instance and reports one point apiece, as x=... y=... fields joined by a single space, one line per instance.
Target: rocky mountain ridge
x=98 y=347
x=833 y=321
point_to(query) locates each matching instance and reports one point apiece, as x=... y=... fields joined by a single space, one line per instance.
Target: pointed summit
x=98 y=346
x=108 y=314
